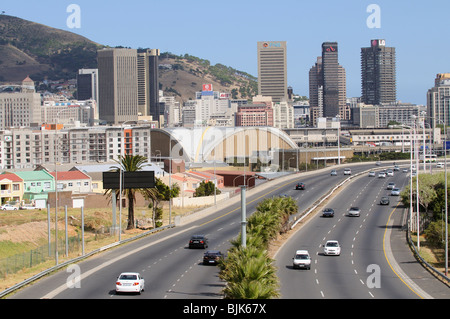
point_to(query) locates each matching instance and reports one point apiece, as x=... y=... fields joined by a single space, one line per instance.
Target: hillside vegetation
x=42 y=52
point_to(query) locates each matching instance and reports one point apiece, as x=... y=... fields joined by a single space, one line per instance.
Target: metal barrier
x=74 y=260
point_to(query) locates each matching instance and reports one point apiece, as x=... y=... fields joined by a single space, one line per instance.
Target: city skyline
x=227 y=34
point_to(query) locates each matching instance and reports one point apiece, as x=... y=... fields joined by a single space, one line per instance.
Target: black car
x=328 y=212
x=300 y=186
x=384 y=200
x=212 y=257
x=198 y=241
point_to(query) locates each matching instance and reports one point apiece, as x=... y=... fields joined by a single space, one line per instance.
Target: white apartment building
x=283 y=115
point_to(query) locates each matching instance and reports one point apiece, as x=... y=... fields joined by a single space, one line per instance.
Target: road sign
x=130 y=180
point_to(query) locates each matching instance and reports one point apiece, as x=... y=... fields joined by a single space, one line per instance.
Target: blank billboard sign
x=142 y=179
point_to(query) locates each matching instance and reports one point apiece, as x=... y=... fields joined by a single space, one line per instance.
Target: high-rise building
x=148 y=84
x=334 y=82
x=378 y=74
x=438 y=101
x=272 y=70
x=87 y=84
x=316 y=92
x=118 y=85
x=327 y=85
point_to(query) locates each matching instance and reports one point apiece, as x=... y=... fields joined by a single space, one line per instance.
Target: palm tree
x=130 y=163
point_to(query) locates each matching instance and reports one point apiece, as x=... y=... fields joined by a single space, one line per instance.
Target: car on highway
x=198 y=241
x=381 y=175
x=328 y=212
x=395 y=192
x=347 y=171
x=391 y=185
x=390 y=172
x=384 y=200
x=396 y=168
x=354 y=211
x=440 y=165
x=130 y=282
x=8 y=207
x=332 y=247
x=300 y=186
x=405 y=170
x=372 y=174
x=212 y=257
x=333 y=172
x=302 y=259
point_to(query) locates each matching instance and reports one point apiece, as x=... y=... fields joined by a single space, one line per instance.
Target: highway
x=364 y=270
x=172 y=271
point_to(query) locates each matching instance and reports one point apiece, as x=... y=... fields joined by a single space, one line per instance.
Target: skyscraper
x=438 y=101
x=378 y=74
x=118 y=85
x=327 y=85
x=272 y=70
x=334 y=82
x=148 y=84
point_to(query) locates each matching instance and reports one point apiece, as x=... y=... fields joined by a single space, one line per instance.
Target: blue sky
x=227 y=32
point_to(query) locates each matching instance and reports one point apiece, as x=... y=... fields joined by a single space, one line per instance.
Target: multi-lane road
x=172 y=271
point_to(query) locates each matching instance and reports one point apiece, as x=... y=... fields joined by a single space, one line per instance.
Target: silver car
x=395 y=192
x=354 y=211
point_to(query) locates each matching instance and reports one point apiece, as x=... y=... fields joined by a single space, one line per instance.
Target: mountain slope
x=28 y=48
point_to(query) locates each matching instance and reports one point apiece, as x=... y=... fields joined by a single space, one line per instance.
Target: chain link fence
x=13 y=264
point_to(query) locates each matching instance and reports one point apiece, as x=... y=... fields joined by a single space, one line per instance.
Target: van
x=302 y=259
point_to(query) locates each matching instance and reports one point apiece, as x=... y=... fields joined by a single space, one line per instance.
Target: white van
x=301 y=259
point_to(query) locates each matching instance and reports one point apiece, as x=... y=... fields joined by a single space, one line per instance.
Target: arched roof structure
x=222 y=143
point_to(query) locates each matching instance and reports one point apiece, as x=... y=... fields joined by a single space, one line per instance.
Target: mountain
x=42 y=52
x=28 y=48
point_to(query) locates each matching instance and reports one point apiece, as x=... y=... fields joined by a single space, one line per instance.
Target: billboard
x=130 y=180
x=207 y=87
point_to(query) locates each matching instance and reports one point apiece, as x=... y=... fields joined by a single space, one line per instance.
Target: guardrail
x=77 y=259
x=442 y=277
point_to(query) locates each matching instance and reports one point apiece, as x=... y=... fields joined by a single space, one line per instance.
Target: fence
x=34 y=257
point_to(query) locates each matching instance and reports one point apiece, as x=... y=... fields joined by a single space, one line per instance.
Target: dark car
x=300 y=186
x=384 y=200
x=212 y=257
x=198 y=241
x=328 y=212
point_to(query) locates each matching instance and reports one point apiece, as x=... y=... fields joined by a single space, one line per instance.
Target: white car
x=302 y=259
x=395 y=192
x=8 y=207
x=130 y=282
x=354 y=211
x=381 y=175
x=390 y=172
x=332 y=247
x=372 y=174
x=391 y=185
x=347 y=171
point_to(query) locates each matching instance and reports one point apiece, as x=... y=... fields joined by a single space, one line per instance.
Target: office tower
x=118 y=85
x=272 y=70
x=87 y=84
x=334 y=82
x=316 y=92
x=378 y=73
x=148 y=84
x=438 y=101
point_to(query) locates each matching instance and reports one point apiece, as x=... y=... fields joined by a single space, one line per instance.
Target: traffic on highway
x=351 y=253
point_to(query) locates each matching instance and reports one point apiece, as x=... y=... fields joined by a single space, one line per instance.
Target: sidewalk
x=425 y=284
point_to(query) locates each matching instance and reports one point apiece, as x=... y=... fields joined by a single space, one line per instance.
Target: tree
x=206 y=189
x=161 y=192
x=130 y=163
